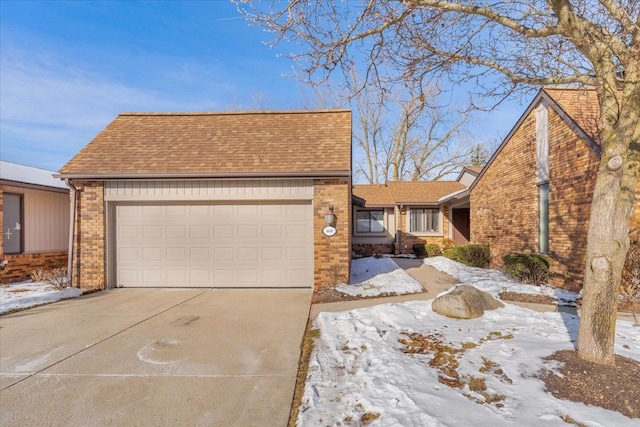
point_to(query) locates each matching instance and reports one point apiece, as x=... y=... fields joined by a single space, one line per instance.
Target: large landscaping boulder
x=465 y=302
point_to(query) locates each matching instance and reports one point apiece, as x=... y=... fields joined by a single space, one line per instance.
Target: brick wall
x=332 y=255
x=504 y=203
x=407 y=240
x=573 y=166
x=371 y=249
x=19 y=266
x=89 y=244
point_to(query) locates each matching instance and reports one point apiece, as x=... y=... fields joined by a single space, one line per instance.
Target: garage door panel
x=248 y=232
x=214 y=245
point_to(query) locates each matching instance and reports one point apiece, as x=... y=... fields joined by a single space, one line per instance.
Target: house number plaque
x=329 y=231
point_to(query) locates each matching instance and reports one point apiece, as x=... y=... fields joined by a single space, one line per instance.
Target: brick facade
x=406 y=240
x=371 y=249
x=332 y=255
x=89 y=237
x=20 y=266
x=504 y=201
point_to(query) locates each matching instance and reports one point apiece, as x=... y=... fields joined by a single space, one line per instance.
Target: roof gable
x=210 y=144
x=579 y=101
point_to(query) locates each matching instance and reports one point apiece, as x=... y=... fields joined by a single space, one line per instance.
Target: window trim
x=21 y=207
x=438 y=233
x=385 y=229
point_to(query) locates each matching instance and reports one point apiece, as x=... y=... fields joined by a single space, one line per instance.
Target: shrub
x=433 y=250
x=56 y=277
x=419 y=249
x=630 y=285
x=447 y=244
x=473 y=255
x=38 y=274
x=527 y=267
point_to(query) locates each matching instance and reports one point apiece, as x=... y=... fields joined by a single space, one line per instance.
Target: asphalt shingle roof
x=374 y=195
x=219 y=143
x=406 y=192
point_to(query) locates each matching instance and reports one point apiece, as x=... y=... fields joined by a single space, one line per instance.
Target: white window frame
x=440 y=231
x=365 y=233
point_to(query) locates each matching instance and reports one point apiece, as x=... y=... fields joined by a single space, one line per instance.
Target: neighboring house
x=534 y=195
x=391 y=218
x=213 y=200
x=34 y=220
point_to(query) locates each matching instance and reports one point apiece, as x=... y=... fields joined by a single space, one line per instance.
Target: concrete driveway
x=154 y=357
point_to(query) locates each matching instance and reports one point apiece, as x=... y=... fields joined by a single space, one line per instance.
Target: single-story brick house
x=34 y=218
x=392 y=217
x=213 y=200
x=534 y=194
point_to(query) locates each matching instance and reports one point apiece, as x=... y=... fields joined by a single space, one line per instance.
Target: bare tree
x=503 y=46
x=407 y=137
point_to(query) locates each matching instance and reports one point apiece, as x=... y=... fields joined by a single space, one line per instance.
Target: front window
x=12 y=223
x=370 y=221
x=424 y=220
x=543 y=218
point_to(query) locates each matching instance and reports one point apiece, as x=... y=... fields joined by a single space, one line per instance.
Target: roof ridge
x=231 y=113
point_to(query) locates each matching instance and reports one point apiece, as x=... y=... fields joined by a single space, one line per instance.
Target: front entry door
x=461 y=226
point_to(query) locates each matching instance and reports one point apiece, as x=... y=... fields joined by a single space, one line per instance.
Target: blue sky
x=68 y=68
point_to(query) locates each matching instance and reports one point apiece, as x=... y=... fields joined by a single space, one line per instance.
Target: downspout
x=72 y=226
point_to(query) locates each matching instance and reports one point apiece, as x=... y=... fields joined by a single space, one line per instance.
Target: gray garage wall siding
x=196 y=190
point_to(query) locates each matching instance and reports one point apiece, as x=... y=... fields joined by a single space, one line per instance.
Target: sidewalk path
x=434 y=282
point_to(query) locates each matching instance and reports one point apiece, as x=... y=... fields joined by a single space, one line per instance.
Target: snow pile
x=23 y=295
x=378 y=276
x=361 y=371
x=494 y=281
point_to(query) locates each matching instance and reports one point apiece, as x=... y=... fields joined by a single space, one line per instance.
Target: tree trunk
x=608 y=237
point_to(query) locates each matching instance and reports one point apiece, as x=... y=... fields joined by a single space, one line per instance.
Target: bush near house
x=447 y=244
x=528 y=267
x=433 y=250
x=56 y=277
x=419 y=249
x=473 y=255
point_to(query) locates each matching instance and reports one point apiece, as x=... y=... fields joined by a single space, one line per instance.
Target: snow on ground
x=377 y=276
x=494 y=281
x=358 y=370
x=22 y=295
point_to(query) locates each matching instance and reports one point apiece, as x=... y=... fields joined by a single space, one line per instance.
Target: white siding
x=199 y=190
x=542 y=144
x=467 y=178
x=46 y=219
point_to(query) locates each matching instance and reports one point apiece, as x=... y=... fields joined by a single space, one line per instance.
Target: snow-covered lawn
x=379 y=365
x=29 y=294
x=405 y=365
x=378 y=276
x=495 y=281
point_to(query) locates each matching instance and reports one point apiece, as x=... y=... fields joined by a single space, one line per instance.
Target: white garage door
x=222 y=245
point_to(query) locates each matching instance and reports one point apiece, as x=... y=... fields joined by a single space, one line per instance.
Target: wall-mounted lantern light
x=329 y=216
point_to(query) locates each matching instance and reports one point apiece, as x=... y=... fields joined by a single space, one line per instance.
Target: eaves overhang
x=194 y=176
